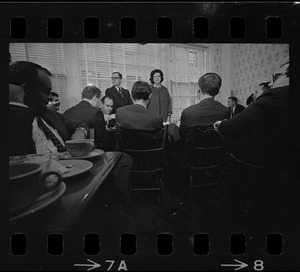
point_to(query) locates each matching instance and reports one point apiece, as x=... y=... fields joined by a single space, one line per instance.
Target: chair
x=253 y=186
x=147 y=148
x=203 y=155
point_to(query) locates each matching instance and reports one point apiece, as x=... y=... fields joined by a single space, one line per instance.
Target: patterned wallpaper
x=253 y=64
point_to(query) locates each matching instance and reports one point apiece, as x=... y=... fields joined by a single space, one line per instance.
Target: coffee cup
x=80 y=147
x=27 y=182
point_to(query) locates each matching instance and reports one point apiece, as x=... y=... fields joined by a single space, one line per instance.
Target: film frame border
x=219 y=16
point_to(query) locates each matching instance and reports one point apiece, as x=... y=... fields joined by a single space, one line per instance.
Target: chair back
x=147 y=148
x=204 y=148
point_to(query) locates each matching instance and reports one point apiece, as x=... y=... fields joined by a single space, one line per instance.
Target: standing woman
x=160 y=102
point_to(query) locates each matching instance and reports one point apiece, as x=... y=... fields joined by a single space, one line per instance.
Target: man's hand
x=78 y=134
x=216 y=124
x=108 y=117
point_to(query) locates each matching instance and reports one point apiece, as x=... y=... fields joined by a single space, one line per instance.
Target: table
x=66 y=212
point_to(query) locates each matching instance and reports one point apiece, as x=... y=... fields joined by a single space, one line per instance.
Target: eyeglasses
x=115 y=78
x=277 y=75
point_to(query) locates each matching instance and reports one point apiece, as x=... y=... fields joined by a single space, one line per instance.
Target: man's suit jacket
x=265 y=125
x=92 y=117
x=138 y=117
x=239 y=108
x=20 y=140
x=119 y=100
x=21 y=123
x=205 y=113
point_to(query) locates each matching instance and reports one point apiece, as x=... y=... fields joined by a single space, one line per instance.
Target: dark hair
x=54 y=94
x=90 y=91
x=250 y=100
x=210 y=83
x=233 y=98
x=141 y=90
x=120 y=75
x=25 y=72
x=104 y=97
x=154 y=72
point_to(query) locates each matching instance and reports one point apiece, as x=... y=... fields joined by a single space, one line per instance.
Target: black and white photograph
x=141 y=155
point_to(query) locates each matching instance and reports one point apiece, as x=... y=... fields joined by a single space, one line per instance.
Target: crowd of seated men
x=32 y=123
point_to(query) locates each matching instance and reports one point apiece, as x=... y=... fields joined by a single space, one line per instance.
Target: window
x=50 y=56
x=96 y=62
x=186 y=64
x=93 y=63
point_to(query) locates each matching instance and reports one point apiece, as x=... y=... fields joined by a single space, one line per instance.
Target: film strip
x=168 y=242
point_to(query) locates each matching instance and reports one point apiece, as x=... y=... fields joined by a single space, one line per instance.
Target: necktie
x=120 y=91
x=231 y=112
x=50 y=135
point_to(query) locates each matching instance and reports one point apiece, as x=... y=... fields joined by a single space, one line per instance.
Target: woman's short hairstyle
x=141 y=90
x=210 y=83
x=154 y=72
x=90 y=91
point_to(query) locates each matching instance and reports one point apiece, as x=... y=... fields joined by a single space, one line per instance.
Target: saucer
x=95 y=153
x=42 y=202
x=75 y=167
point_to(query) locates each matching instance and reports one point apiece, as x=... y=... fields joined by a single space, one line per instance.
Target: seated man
x=54 y=103
x=206 y=112
x=234 y=107
x=19 y=133
x=49 y=129
x=137 y=116
x=265 y=126
x=88 y=111
x=107 y=107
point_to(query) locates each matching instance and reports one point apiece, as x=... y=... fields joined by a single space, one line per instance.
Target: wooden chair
x=147 y=148
x=203 y=154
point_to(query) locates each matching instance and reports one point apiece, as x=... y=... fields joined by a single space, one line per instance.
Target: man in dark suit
x=234 y=107
x=36 y=83
x=120 y=96
x=88 y=111
x=207 y=111
x=49 y=129
x=137 y=116
x=20 y=133
x=266 y=120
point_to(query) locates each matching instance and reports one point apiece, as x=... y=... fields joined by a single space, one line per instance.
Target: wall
x=254 y=64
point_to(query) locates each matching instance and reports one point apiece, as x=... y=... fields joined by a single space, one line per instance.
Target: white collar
x=87 y=100
x=18 y=104
x=141 y=104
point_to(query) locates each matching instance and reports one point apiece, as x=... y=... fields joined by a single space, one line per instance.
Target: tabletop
x=66 y=212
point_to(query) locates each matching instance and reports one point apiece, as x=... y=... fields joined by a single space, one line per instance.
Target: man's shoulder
x=110 y=89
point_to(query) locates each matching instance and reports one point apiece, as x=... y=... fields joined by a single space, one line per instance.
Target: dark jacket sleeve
x=19 y=139
x=100 y=129
x=245 y=121
x=72 y=124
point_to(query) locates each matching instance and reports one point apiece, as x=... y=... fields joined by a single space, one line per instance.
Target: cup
x=80 y=147
x=26 y=183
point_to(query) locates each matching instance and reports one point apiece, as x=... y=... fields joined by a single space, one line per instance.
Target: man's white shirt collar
x=18 y=104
